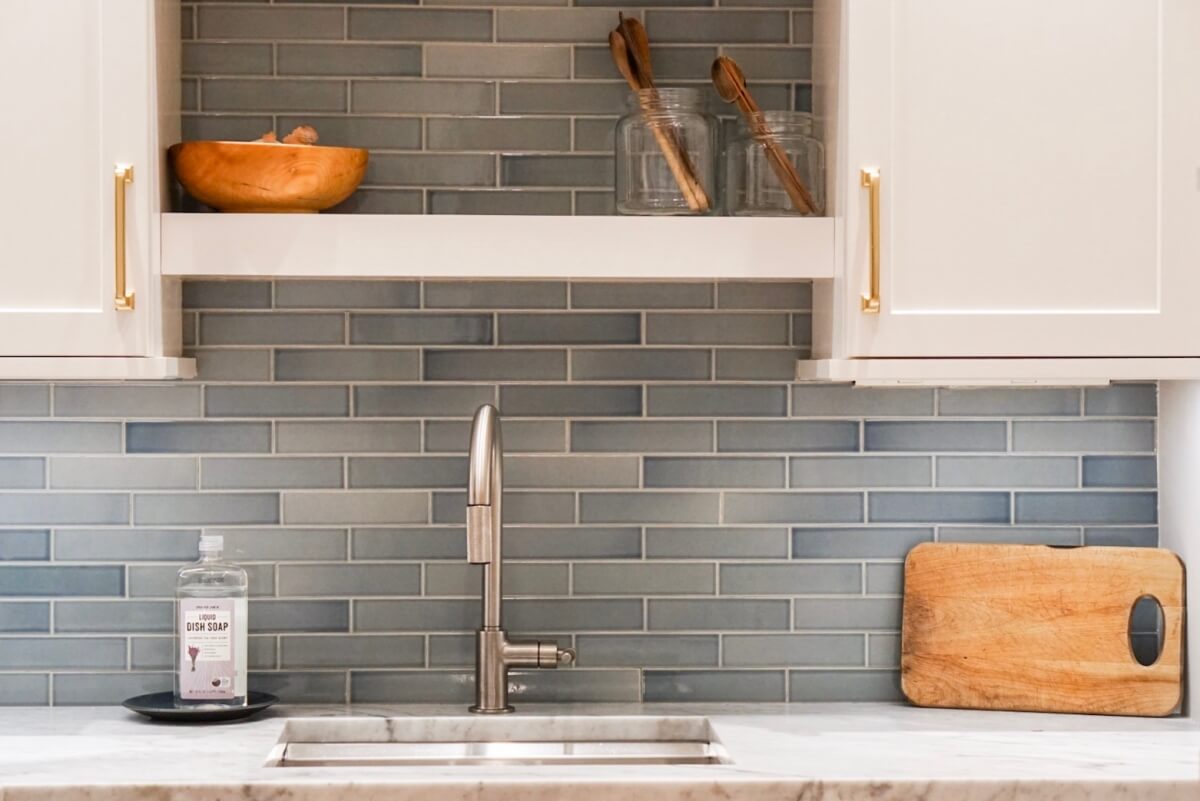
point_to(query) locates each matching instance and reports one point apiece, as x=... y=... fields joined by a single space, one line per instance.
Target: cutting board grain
x=1036 y=628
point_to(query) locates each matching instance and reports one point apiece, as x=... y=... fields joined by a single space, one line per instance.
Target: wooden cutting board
x=1036 y=628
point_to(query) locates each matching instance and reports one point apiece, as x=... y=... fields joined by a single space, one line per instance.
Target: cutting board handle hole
x=1146 y=630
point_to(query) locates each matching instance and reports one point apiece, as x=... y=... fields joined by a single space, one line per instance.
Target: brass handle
x=870 y=181
x=122 y=177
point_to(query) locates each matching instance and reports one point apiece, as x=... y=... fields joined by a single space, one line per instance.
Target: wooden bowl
x=267 y=177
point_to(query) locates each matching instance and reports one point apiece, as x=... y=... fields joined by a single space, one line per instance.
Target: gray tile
x=373 y=200
x=224 y=126
x=599 y=134
x=24 y=617
x=420 y=25
x=640 y=294
x=717 y=328
x=1134 y=400
x=499 y=201
x=575 y=542
x=232 y=365
x=24 y=689
x=580 y=401
x=24 y=400
x=1087 y=436
x=411 y=543
x=117 y=617
x=431 y=169
x=189 y=94
x=742 y=364
x=351 y=651
x=423 y=96
x=1008 y=402
x=278 y=544
x=105 y=689
x=452 y=650
x=342 y=508
x=1011 y=534
x=46 y=437
x=429 y=401
x=276 y=401
x=802 y=330
x=794 y=650
x=884 y=579
x=568 y=170
x=302 y=686
x=596 y=204
x=497 y=133
x=519 y=507
x=421 y=329
x=227 y=294
x=649 y=507
x=346 y=436
x=210 y=508
x=496 y=294
x=774 y=63
x=934 y=436
x=573 y=686
x=273 y=94
x=840 y=400
x=349 y=59
x=127 y=401
x=418 y=615
x=459 y=579
x=70 y=653
x=562 y=98
x=420 y=687
x=1084 y=508
x=268 y=22
x=716 y=543
x=642 y=436
x=158 y=581
x=24 y=546
x=856 y=543
x=648 y=578
x=22 y=473
x=783 y=436
x=43 y=580
x=570 y=472
x=781 y=507
x=271 y=329
x=407 y=471
x=701 y=400
x=1120 y=471
x=520 y=436
x=861 y=471
x=844 y=685
x=293 y=615
x=574 y=615
x=715 y=472
x=497 y=61
x=938 y=507
x=568 y=25
x=345 y=364
x=63 y=508
x=686 y=63
x=198 y=437
x=122 y=472
x=647 y=650
x=496 y=364
x=1123 y=537
x=127 y=545
x=847 y=613
x=725 y=614
x=349 y=580
x=640 y=364
x=790 y=579
x=883 y=650
x=725 y=27
x=347 y=294
x=270 y=472
x=715 y=685
x=1007 y=471
x=574 y=328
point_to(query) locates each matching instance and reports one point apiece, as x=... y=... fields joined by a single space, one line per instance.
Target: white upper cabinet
x=1038 y=166
x=82 y=102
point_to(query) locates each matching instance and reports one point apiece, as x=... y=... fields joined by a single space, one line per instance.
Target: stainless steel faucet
x=494 y=652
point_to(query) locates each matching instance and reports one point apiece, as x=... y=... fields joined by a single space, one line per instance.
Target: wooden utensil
x=730 y=83
x=1041 y=629
x=266 y=176
x=630 y=48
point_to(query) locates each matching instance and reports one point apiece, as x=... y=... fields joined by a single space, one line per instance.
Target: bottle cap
x=211 y=542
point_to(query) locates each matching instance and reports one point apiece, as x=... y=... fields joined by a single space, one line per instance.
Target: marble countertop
x=796 y=752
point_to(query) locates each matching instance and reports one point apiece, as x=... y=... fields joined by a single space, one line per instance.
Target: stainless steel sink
x=400 y=742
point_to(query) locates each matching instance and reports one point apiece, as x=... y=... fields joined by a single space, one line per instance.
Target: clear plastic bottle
x=210 y=630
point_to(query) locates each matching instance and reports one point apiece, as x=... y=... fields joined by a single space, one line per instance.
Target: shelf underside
x=997 y=372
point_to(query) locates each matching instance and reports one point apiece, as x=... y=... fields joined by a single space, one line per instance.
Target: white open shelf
x=94 y=368
x=479 y=246
x=996 y=372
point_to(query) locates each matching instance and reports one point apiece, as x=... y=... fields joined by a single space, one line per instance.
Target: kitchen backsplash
x=466 y=108
x=696 y=525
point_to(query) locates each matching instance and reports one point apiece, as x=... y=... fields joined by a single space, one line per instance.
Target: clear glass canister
x=666 y=154
x=752 y=183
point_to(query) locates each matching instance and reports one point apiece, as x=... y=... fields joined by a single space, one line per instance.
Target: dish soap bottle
x=211 y=640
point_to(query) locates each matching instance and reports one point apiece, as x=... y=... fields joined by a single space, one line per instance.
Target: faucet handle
x=566 y=656
x=479 y=534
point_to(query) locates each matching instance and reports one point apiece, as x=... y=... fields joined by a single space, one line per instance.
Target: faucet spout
x=484 y=488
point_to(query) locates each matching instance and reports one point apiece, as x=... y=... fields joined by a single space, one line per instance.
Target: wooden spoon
x=730 y=83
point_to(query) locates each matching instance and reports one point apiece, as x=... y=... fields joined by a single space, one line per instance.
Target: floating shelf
x=479 y=246
x=996 y=372
x=94 y=368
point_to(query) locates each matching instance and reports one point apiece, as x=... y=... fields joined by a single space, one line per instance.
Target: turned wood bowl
x=267 y=176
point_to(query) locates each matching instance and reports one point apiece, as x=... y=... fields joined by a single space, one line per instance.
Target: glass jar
x=752 y=185
x=666 y=154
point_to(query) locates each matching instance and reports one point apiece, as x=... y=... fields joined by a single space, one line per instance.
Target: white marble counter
x=798 y=752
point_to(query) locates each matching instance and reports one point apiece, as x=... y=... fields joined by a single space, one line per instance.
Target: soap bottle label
x=207 y=642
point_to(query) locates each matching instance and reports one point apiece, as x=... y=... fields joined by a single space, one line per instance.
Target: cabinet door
x=1038 y=166
x=74 y=86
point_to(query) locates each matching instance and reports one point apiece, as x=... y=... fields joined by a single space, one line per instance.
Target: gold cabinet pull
x=122 y=177
x=870 y=182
